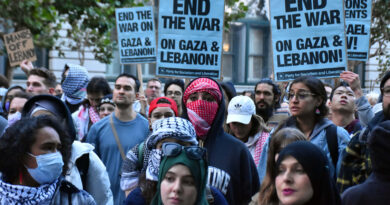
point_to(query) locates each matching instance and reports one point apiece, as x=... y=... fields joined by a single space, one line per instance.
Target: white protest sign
x=357 y=29
x=136 y=35
x=308 y=38
x=190 y=38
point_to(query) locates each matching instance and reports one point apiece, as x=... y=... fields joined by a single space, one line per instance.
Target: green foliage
x=36 y=15
x=380 y=34
x=89 y=24
x=239 y=10
x=92 y=25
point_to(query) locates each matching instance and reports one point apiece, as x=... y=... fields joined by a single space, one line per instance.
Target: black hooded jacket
x=231 y=167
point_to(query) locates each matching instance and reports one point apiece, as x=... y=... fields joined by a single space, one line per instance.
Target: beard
x=265 y=112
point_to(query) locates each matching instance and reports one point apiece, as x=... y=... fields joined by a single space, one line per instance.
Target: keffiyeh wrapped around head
x=203 y=85
x=172 y=127
x=75 y=84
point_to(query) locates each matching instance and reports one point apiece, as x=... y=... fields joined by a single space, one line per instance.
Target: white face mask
x=49 y=167
x=14 y=117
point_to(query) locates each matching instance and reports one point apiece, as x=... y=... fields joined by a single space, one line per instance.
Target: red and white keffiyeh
x=201 y=112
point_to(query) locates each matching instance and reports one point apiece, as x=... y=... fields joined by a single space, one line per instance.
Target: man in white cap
x=246 y=126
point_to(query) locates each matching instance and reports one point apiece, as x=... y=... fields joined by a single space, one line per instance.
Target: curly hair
x=18 y=139
x=275 y=90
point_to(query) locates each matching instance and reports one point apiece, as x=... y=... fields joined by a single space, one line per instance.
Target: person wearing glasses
x=356 y=167
x=183 y=176
x=307 y=104
x=174 y=89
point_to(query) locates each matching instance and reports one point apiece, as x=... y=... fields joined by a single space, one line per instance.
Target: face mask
x=12 y=118
x=153 y=165
x=49 y=167
x=202 y=116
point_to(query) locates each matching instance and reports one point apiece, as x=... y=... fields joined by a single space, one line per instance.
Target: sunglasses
x=171 y=149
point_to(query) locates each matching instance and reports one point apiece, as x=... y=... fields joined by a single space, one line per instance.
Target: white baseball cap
x=241 y=109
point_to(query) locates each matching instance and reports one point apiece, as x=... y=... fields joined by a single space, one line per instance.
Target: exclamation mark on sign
x=354 y=42
x=340 y=55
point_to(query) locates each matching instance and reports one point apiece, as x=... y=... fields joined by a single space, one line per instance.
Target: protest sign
x=357 y=28
x=20 y=46
x=136 y=35
x=190 y=38
x=308 y=38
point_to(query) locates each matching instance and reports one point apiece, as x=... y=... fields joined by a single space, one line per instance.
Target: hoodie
x=231 y=167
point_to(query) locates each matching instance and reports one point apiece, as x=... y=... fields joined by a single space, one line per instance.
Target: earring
x=318 y=111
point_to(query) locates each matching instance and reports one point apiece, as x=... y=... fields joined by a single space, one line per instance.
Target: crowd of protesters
x=81 y=141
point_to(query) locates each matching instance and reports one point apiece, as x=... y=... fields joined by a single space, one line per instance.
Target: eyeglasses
x=171 y=149
x=386 y=91
x=300 y=95
x=177 y=93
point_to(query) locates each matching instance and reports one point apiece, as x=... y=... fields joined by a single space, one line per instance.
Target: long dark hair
x=18 y=139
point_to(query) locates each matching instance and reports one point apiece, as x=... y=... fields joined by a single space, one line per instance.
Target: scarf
x=75 y=84
x=259 y=147
x=153 y=165
x=93 y=115
x=18 y=194
x=203 y=85
x=200 y=112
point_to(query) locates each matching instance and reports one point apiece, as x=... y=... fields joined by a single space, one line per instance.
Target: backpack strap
x=140 y=161
x=331 y=140
x=82 y=164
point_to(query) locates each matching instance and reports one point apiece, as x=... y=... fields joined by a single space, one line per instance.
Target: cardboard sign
x=20 y=46
x=357 y=29
x=308 y=38
x=136 y=35
x=190 y=38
